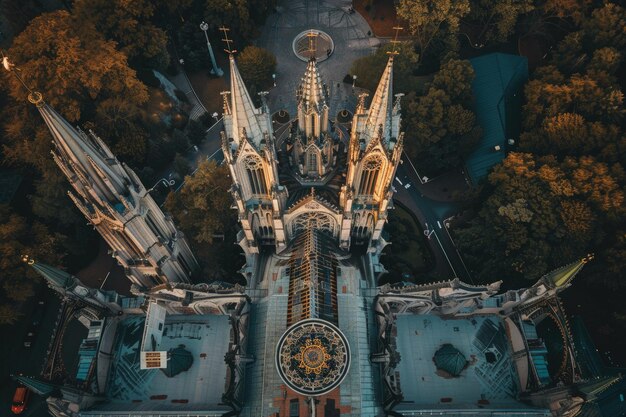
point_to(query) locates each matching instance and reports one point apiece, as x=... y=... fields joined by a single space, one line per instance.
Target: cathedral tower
x=312 y=151
x=249 y=151
x=111 y=196
x=374 y=152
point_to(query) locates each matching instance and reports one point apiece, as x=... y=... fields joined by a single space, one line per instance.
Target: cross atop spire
x=312 y=35
x=227 y=41
x=395 y=42
x=34 y=97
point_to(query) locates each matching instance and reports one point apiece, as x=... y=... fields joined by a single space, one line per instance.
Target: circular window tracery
x=313 y=357
x=253 y=162
x=315 y=221
x=372 y=163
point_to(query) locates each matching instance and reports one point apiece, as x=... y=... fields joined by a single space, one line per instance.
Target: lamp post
x=215 y=116
x=161 y=181
x=216 y=70
x=274 y=78
x=353 y=81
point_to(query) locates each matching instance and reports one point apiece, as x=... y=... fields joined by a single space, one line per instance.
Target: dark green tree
x=370 y=68
x=427 y=18
x=257 y=66
x=129 y=24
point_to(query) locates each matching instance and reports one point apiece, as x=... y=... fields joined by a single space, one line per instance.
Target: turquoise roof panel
x=497 y=89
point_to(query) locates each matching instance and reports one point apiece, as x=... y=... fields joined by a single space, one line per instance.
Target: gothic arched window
x=314 y=220
x=256 y=177
x=369 y=175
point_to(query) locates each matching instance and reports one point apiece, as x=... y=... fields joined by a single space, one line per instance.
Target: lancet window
x=369 y=175
x=256 y=177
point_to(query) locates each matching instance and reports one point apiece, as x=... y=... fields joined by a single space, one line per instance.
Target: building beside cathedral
x=312 y=332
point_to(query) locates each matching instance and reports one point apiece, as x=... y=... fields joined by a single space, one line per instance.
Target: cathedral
x=311 y=333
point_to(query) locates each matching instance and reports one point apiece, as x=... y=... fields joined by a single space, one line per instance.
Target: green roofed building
x=497 y=89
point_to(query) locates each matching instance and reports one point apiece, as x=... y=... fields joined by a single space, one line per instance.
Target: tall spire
x=55 y=277
x=82 y=153
x=311 y=93
x=37 y=386
x=562 y=277
x=380 y=111
x=244 y=114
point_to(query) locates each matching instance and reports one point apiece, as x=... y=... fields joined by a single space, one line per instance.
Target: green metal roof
x=497 y=89
x=178 y=360
x=450 y=359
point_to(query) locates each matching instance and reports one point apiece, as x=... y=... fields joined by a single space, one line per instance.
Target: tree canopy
x=370 y=68
x=440 y=125
x=563 y=195
x=428 y=18
x=129 y=24
x=202 y=209
x=256 y=66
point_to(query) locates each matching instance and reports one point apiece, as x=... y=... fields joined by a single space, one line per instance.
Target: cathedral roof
x=244 y=114
x=304 y=195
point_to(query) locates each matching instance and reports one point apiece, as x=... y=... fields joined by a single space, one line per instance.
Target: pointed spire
x=54 y=276
x=81 y=153
x=563 y=276
x=595 y=387
x=242 y=108
x=379 y=114
x=311 y=93
x=37 y=386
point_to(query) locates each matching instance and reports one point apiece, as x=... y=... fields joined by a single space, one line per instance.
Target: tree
x=257 y=66
x=129 y=24
x=542 y=212
x=181 y=166
x=71 y=68
x=202 y=206
x=607 y=27
x=202 y=209
x=19 y=237
x=427 y=18
x=497 y=20
x=121 y=122
x=76 y=70
x=369 y=69
x=17 y=13
x=196 y=132
x=455 y=78
x=9 y=314
x=440 y=129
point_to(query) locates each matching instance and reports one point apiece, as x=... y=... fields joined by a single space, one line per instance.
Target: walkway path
x=181 y=81
x=350 y=36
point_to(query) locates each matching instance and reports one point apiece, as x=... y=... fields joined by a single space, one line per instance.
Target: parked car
x=20 y=399
x=37 y=318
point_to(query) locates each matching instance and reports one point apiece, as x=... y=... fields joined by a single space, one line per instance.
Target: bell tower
x=312 y=151
x=374 y=152
x=111 y=196
x=249 y=150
